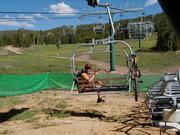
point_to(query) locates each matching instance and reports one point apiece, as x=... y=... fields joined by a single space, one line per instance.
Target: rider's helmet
x=87 y=66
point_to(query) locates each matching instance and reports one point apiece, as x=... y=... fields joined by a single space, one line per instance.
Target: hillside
x=66 y=34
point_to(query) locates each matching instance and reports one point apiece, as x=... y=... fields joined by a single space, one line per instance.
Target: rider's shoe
x=100 y=100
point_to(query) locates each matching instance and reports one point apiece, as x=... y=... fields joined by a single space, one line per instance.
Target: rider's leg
x=99 y=99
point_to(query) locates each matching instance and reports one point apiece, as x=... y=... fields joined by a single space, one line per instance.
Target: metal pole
x=139 y=35
x=139 y=41
x=112 y=48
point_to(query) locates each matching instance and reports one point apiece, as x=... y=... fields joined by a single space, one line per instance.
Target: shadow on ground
x=85 y=113
x=5 y=116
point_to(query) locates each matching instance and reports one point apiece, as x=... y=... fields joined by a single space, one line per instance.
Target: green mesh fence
x=60 y=81
x=148 y=80
x=11 y=85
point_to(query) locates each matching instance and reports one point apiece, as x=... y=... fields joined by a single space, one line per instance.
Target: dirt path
x=119 y=115
x=15 y=50
x=101 y=64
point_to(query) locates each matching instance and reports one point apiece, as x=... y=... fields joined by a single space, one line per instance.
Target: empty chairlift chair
x=165 y=94
x=171 y=121
x=99 y=29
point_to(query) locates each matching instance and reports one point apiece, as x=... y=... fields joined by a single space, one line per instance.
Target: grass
x=38 y=59
x=159 y=62
x=61 y=105
x=149 y=60
x=59 y=111
x=58 y=114
x=46 y=58
x=9 y=102
x=6 y=102
x=28 y=116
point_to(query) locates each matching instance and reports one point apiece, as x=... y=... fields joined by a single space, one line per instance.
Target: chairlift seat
x=99 y=29
x=171 y=120
x=84 y=87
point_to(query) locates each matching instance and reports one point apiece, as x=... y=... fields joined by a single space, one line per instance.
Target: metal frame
x=99 y=28
x=164 y=94
x=140 y=29
x=107 y=41
x=128 y=57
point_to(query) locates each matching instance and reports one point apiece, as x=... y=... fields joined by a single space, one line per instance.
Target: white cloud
x=21 y=17
x=62 y=8
x=41 y=16
x=38 y=15
x=11 y=21
x=21 y=20
x=150 y=3
x=27 y=17
x=15 y=23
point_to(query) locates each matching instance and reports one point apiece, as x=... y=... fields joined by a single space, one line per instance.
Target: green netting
x=11 y=85
x=60 y=81
x=148 y=80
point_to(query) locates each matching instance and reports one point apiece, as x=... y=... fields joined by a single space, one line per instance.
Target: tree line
x=167 y=40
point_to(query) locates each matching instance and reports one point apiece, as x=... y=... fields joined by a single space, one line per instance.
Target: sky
x=40 y=14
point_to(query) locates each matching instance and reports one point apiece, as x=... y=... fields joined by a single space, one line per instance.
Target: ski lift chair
x=171 y=121
x=99 y=29
x=111 y=83
x=85 y=87
x=137 y=30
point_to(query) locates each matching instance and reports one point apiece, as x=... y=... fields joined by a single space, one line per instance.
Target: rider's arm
x=88 y=78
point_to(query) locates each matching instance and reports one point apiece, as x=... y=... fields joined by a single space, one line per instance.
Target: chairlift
x=111 y=84
x=131 y=81
x=140 y=29
x=120 y=30
x=99 y=29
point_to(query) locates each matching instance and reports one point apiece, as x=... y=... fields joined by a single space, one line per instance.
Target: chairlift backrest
x=171 y=115
x=140 y=29
x=80 y=72
x=120 y=29
x=99 y=29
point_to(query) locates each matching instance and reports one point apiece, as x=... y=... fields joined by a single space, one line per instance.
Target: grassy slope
x=155 y=61
x=149 y=60
x=42 y=58
x=37 y=59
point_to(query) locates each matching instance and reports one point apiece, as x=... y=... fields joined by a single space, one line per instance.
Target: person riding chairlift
x=89 y=76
